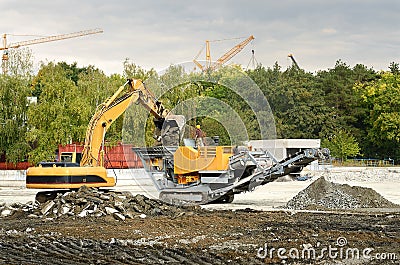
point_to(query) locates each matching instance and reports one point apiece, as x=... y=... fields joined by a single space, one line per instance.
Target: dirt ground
x=152 y=233
x=206 y=237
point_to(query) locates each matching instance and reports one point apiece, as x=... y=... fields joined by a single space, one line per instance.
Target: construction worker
x=199 y=136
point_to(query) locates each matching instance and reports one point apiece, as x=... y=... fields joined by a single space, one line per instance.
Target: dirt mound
x=324 y=194
x=95 y=203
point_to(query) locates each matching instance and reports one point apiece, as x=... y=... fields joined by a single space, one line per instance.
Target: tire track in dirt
x=218 y=237
x=42 y=251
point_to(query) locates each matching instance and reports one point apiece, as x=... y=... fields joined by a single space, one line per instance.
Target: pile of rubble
x=328 y=195
x=96 y=203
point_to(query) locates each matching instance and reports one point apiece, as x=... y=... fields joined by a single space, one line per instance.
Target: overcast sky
x=155 y=34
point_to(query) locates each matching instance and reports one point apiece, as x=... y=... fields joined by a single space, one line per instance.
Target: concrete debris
x=92 y=202
x=47 y=207
x=110 y=210
x=6 y=212
x=322 y=194
x=119 y=216
x=170 y=136
x=142 y=216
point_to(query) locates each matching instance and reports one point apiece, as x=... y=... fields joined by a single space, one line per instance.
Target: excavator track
x=44 y=196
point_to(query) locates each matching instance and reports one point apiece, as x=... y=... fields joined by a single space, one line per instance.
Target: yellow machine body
x=189 y=162
x=208 y=158
x=57 y=177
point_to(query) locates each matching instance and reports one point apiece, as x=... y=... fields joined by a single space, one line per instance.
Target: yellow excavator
x=182 y=174
x=91 y=171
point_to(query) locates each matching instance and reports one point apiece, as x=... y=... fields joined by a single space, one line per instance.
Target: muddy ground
x=206 y=237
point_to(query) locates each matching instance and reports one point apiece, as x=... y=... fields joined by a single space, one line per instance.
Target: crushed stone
x=329 y=195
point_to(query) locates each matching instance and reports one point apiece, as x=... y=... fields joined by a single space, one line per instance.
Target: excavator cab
x=72 y=157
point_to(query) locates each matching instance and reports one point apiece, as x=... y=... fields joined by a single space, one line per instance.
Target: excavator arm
x=109 y=111
x=91 y=171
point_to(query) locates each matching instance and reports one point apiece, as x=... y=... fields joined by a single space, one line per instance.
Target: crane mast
x=294 y=61
x=15 y=45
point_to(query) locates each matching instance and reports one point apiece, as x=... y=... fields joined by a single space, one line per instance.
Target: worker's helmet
x=198 y=126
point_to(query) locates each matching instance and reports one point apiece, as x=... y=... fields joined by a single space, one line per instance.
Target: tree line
x=354 y=110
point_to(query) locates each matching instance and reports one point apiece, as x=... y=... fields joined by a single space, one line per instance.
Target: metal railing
x=364 y=162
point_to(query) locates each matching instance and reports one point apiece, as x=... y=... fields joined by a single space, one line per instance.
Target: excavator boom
x=105 y=115
x=91 y=171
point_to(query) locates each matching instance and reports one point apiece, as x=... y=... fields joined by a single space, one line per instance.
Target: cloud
x=328 y=31
x=155 y=34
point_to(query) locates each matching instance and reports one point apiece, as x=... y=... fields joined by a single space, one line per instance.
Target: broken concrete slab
x=47 y=207
x=6 y=212
x=97 y=203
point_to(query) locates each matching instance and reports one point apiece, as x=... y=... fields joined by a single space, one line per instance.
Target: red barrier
x=17 y=166
x=118 y=157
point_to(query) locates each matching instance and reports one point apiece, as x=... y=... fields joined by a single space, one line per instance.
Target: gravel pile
x=93 y=202
x=324 y=194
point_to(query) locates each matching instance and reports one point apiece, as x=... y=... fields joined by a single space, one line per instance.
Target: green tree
x=394 y=68
x=136 y=125
x=59 y=114
x=215 y=128
x=94 y=88
x=303 y=108
x=381 y=98
x=340 y=98
x=232 y=86
x=131 y=70
x=72 y=71
x=342 y=145
x=14 y=92
x=20 y=62
x=297 y=102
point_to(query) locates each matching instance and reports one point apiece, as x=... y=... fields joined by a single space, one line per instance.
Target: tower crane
x=209 y=65
x=253 y=61
x=6 y=46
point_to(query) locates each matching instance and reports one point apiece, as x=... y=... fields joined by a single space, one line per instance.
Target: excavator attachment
x=172 y=130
